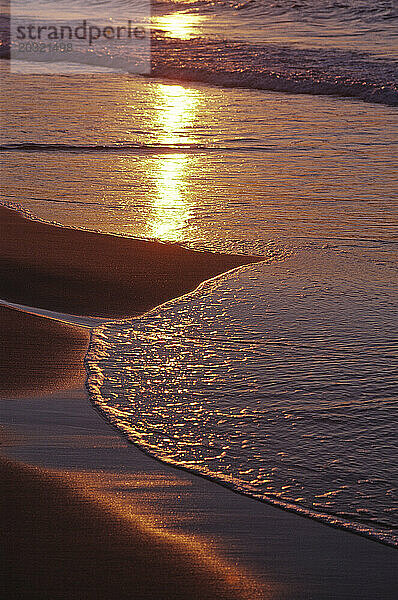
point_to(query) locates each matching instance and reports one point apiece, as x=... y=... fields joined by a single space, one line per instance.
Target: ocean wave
x=98 y=148
x=277 y=68
x=103 y=381
x=256 y=64
x=347 y=10
x=266 y=67
x=126 y=147
x=263 y=389
x=344 y=87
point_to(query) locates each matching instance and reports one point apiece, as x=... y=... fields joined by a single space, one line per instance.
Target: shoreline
x=322 y=518
x=37 y=260
x=287 y=555
x=70 y=458
x=85 y=273
x=55 y=521
x=121 y=550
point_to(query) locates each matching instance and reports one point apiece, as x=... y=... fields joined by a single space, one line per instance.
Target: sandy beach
x=38 y=354
x=88 y=515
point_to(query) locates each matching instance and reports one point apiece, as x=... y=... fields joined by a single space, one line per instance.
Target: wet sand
x=61 y=541
x=245 y=544
x=39 y=354
x=87 y=515
x=83 y=273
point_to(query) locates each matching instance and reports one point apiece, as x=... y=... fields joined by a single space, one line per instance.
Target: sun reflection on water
x=171 y=210
x=178 y=25
x=177 y=112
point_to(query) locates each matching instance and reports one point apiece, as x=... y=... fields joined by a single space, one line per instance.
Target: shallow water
x=231 y=169
x=278 y=379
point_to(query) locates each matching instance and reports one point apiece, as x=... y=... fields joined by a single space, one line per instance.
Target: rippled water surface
x=279 y=379
x=216 y=168
x=348 y=49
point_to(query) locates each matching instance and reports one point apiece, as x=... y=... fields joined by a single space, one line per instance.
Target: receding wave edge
x=94 y=381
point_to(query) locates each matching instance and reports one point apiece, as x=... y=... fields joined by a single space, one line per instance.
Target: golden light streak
x=171 y=203
x=178 y=25
x=171 y=211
